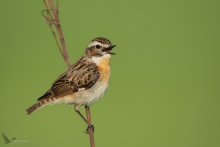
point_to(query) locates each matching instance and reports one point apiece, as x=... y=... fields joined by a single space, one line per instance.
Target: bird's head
x=99 y=47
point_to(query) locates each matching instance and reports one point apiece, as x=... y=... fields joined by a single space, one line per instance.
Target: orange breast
x=104 y=68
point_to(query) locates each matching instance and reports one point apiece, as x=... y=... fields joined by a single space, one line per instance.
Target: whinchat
x=84 y=82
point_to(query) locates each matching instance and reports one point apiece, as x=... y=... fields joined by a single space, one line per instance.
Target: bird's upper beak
x=107 y=50
x=112 y=46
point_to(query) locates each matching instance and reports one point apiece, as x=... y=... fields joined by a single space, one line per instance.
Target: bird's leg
x=77 y=110
x=76 y=107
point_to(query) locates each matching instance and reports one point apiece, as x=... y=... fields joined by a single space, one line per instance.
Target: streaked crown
x=99 y=47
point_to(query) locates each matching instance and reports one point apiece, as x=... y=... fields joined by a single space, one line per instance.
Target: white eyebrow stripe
x=94 y=43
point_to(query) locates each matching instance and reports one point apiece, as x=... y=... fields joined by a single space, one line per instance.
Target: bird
x=85 y=82
x=6 y=139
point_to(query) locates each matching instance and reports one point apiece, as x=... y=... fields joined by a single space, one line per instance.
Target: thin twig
x=92 y=143
x=53 y=21
x=50 y=21
x=59 y=30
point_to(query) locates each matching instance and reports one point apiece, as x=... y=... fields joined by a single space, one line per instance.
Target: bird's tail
x=39 y=105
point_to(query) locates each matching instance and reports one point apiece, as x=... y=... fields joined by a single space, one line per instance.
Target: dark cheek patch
x=94 y=52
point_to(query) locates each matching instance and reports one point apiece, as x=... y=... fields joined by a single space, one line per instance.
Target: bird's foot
x=89 y=127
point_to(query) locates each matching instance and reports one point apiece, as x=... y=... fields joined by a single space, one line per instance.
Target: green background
x=165 y=82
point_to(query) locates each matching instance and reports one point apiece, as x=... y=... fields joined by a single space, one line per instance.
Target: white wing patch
x=80 y=89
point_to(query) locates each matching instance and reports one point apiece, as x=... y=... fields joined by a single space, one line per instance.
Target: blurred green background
x=165 y=82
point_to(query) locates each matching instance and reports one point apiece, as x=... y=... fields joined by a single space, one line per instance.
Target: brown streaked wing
x=78 y=76
x=48 y=94
x=86 y=76
x=61 y=88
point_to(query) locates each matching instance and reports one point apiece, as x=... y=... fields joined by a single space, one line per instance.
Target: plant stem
x=54 y=20
x=92 y=143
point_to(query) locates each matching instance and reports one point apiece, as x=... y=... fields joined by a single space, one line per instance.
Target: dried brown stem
x=92 y=143
x=52 y=19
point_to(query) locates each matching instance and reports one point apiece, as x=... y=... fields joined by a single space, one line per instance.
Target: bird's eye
x=97 y=46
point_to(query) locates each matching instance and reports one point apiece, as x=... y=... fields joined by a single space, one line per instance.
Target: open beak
x=108 y=50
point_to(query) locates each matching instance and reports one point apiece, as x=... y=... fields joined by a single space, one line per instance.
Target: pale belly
x=85 y=97
x=90 y=96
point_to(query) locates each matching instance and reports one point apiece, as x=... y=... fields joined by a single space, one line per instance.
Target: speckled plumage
x=84 y=82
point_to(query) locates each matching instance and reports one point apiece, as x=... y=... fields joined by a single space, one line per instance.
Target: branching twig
x=52 y=18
